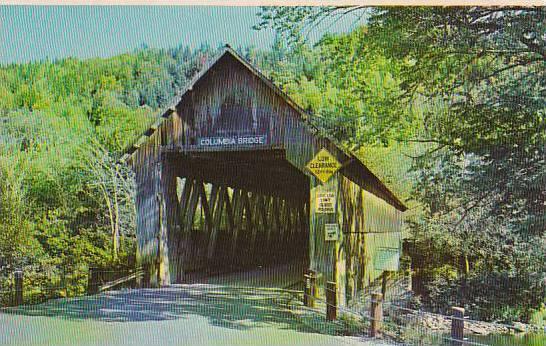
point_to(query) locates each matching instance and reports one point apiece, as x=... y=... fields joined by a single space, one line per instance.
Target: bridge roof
x=355 y=165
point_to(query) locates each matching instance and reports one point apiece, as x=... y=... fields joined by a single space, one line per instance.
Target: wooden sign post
x=457 y=326
x=18 y=275
x=331 y=301
x=324 y=166
x=376 y=313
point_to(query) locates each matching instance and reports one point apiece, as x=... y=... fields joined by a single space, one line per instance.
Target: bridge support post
x=18 y=277
x=376 y=313
x=384 y=282
x=331 y=301
x=457 y=326
x=310 y=292
x=92 y=282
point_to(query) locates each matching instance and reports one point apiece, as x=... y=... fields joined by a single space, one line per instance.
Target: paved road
x=194 y=314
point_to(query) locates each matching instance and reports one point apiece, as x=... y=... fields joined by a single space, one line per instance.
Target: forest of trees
x=65 y=202
x=447 y=106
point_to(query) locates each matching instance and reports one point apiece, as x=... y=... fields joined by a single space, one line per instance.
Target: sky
x=31 y=33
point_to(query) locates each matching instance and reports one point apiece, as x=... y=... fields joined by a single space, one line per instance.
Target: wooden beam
x=237 y=218
x=263 y=207
x=192 y=207
x=254 y=202
x=248 y=211
x=229 y=210
x=213 y=197
x=184 y=201
x=278 y=224
x=268 y=221
x=217 y=219
x=205 y=205
x=228 y=155
x=285 y=219
x=264 y=179
x=265 y=226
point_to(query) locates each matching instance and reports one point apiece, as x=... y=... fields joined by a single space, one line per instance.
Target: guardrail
x=392 y=320
x=133 y=276
x=22 y=288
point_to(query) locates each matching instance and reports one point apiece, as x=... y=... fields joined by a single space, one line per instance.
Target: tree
x=473 y=82
x=115 y=183
x=483 y=179
x=64 y=201
x=15 y=230
x=353 y=92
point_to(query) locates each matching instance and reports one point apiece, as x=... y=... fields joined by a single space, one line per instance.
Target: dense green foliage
x=464 y=96
x=447 y=105
x=66 y=204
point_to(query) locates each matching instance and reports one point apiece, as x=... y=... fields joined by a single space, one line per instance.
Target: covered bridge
x=229 y=178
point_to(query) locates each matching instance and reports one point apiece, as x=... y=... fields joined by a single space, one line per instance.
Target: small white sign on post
x=331 y=232
x=326 y=202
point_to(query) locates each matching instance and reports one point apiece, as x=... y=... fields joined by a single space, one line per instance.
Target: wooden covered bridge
x=232 y=175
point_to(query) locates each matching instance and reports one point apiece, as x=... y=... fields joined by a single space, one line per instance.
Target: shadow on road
x=220 y=302
x=231 y=305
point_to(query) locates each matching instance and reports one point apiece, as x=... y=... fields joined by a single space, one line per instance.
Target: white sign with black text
x=325 y=203
x=232 y=140
x=331 y=232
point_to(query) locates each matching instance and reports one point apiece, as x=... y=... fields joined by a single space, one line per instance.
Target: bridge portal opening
x=236 y=211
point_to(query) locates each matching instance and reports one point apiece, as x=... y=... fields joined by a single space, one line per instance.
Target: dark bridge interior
x=237 y=210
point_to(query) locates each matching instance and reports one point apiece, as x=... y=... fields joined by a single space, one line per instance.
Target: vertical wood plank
x=255 y=222
x=205 y=205
x=277 y=234
x=184 y=201
x=229 y=212
x=268 y=210
x=192 y=207
x=238 y=220
x=217 y=219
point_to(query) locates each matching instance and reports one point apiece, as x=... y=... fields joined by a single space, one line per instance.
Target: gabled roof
x=355 y=163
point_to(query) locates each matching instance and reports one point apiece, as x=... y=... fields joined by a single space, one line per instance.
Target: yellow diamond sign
x=323 y=165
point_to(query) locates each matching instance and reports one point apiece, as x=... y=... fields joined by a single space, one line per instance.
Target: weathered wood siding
x=368 y=224
x=232 y=100
x=154 y=192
